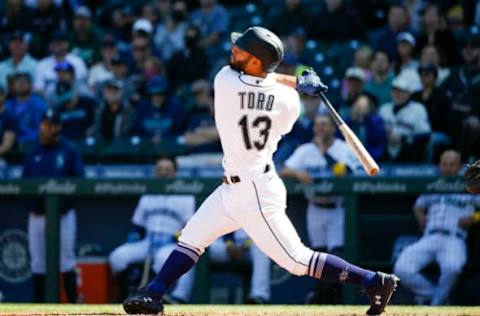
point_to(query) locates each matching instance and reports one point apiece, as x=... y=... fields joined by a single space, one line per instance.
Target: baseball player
x=444 y=219
x=325 y=154
x=53 y=158
x=158 y=219
x=254 y=107
x=236 y=246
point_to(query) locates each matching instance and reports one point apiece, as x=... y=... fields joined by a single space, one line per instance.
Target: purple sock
x=180 y=261
x=332 y=268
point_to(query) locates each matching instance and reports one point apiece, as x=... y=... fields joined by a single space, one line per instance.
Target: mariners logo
x=14 y=256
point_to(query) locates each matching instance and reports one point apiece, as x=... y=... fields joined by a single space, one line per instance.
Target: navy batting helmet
x=261 y=43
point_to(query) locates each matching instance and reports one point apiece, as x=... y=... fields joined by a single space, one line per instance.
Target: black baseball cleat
x=143 y=302
x=381 y=293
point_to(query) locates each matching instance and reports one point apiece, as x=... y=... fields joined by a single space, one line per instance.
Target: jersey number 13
x=264 y=123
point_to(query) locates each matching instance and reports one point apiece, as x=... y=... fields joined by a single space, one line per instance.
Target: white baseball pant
x=260 y=279
x=134 y=252
x=449 y=252
x=36 y=240
x=325 y=227
x=257 y=205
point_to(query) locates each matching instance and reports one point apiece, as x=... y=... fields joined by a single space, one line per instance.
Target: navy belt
x=236 y=179
x=326 y=205
x=444 y=232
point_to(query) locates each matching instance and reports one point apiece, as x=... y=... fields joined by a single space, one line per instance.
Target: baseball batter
x=444 y=219
x=254 y=107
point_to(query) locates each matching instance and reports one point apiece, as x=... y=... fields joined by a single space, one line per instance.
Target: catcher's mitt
x=472 y=177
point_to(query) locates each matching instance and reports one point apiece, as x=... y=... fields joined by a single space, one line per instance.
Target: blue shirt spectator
x=8 y=126
x=160 y=116
x=27 y=108
x=213 y=20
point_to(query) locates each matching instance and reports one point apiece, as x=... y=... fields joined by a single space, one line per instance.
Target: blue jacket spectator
x=19 y=60
x=382 y=76
x=386 y=38
x=368 y=125
x=8 y=126
x=212 y=20
x=160 y=116
x=27 y=107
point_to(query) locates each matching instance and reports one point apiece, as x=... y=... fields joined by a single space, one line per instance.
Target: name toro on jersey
x=250 y=130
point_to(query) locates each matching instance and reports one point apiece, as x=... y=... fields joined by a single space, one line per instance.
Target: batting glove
x=310 y=83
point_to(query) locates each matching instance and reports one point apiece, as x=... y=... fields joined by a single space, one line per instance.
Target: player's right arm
x=420 y=212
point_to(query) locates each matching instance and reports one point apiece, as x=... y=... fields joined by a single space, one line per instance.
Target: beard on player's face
x=239 y=65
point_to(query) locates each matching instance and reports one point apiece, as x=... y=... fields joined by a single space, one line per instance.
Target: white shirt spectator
x=28 y=64
x=168 y=42
x=46 y=75
x=98 y=74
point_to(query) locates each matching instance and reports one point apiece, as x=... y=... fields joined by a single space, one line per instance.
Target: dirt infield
x=233 y=310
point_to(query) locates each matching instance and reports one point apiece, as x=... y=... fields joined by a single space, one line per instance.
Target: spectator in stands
x=120 y=73
x=47 y=18
x=53 y=158
x=362 y=58
x=85 y=38
x=154 y=67
x=237 y=247
x=338 y=21
x=381 y=82
x=27 y=107
x=160 y=116
x=463 y=86
x=435 y=33
x=102 y=71
x=405 y=53
x=386 y=39
x=443 y=219
x=19 y=60
x=157 y=222
x=212 y=21
x=169 y=37
x=141 y=51
x=189 y=64
x=77 y=112
x=439 y=108
x=149 y=12
x=15 y=17
x=46 y=77
x=415 y=8
x=406 y=122
x=302 y=131
x=373 y=12
x=355 y=79
x=121 y=28
x=114 y=117
x=368 y=125
x=288 y=18
x=8 y=128
x=430 y=55
x=201 y=133
x=325 y=154
x=295 y=44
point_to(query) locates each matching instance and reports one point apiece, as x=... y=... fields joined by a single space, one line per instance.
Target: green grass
x=236 y=309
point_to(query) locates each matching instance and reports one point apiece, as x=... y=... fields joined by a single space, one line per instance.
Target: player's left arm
x=308 y=83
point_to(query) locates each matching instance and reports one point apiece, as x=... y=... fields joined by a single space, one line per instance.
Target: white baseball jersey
x=308 y=157
x=251 y=119
x=164 y=213
x=444 y=210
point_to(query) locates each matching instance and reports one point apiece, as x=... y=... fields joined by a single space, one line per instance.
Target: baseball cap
x=64 y=66
x=59 y=36
x=52 y=116
x=84 y=12
x=114 y=83
x=157 y=85
x=406 y=37
x=355 y=73
x=143 y=25
x=403 y=82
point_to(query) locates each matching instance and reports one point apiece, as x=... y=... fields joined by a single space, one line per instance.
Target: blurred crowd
x=404 y=74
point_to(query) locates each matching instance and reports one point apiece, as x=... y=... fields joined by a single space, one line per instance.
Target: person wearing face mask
x=169 y=35
x=114 y=116
x=189 y=64
x=160 y=116
x=27 y=107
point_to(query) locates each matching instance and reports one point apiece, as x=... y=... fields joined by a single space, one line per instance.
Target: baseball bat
x=368 y=163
